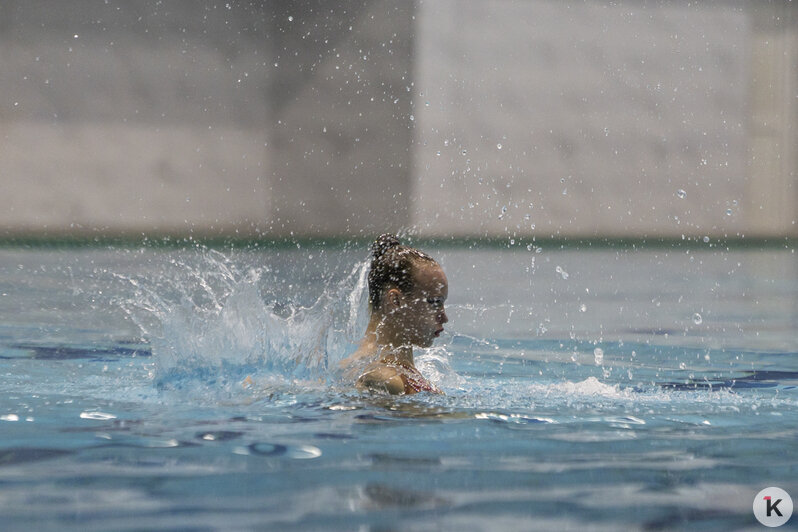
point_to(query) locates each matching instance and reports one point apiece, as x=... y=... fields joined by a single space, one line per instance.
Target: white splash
x=207 y=320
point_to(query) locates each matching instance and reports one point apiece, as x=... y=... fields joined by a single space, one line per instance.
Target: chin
x=426 y=343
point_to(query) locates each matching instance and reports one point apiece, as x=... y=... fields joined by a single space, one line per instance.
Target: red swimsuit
x=414 y=381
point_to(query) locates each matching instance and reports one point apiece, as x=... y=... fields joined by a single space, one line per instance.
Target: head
x=407 y=290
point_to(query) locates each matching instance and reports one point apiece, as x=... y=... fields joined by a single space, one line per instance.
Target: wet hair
x=392 y=266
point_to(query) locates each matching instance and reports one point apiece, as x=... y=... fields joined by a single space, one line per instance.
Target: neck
x=392 y=349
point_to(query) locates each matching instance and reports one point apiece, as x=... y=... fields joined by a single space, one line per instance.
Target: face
x=422 y=314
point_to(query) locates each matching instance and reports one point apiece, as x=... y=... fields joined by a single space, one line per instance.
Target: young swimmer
x=407 y=290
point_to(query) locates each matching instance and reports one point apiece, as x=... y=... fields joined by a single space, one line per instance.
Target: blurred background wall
x=453 y=117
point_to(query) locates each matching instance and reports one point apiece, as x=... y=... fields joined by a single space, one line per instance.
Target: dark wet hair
x=392 y=265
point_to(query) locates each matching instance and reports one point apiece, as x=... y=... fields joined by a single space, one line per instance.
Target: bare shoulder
x=380 y=377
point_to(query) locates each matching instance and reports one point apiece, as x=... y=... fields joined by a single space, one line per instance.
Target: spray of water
x=211 y=326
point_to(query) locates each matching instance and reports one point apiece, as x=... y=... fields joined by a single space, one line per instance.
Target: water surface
x=601 y=389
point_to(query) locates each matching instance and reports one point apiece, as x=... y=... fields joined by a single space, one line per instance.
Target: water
x=592 y=400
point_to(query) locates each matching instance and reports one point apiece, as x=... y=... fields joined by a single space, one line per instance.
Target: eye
x=435 y=301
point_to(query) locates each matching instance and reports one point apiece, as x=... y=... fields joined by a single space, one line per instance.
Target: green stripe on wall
x=44 y=241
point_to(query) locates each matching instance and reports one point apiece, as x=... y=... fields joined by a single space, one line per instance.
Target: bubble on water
x=697 y=319
x=563 y=273
x=681 y=193
x=598 y=355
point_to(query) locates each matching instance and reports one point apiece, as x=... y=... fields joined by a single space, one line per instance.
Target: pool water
x=595 y=389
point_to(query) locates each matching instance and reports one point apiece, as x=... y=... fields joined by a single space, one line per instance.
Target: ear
x=393 y=298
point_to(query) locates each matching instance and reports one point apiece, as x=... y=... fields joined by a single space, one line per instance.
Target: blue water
x=603 y=390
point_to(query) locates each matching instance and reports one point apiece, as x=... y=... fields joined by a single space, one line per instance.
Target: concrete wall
x=133 y=116
x=582 y=118
x=342 y=150
x=772 y=193
x=466 y=117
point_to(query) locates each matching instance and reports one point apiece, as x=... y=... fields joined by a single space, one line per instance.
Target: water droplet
x=598 y=356
x=499 y=146
x=290 y=18
x=697 y=319
x=681 y=193
x=563 y=273
x=464 y=151
x=412 y=118
x=582 y=308
x=728 y=212
x=706 y=240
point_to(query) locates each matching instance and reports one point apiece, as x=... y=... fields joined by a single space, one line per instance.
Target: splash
x=213 y=323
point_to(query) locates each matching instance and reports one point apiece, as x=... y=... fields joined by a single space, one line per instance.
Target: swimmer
x=407 y=290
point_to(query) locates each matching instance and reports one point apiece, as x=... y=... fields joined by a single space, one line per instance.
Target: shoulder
x=382 y=378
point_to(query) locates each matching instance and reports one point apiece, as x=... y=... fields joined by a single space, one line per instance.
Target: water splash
x=213 y=323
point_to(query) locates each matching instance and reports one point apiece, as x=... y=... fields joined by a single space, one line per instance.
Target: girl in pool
x=407 y=290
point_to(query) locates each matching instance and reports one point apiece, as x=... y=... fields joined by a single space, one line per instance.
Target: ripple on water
x=101 y=416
